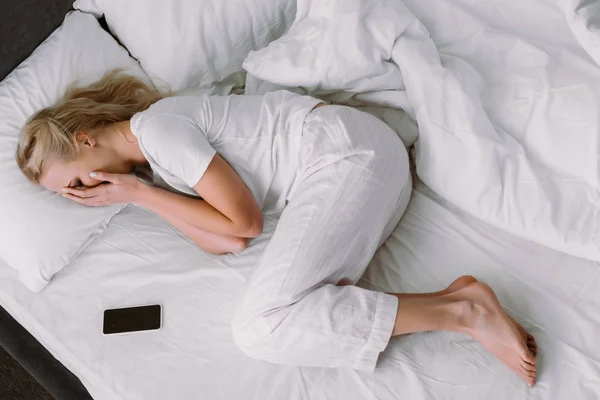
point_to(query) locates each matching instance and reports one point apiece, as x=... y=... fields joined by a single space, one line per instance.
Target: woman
x=339 y=177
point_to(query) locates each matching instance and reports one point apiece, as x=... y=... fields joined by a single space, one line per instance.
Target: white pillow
x=194 y=43
x=40 y=231
x=327 y=37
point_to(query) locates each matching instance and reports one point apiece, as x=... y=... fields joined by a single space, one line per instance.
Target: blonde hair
x=50 y=134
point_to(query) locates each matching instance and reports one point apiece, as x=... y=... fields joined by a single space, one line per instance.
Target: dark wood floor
x=16 y=383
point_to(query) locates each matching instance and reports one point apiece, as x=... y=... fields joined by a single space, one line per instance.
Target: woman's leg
x=473 y=310
x=460 y=283
x=422 y=317
x=293 y=313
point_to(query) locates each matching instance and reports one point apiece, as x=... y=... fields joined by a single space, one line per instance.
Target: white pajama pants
x=354 y=185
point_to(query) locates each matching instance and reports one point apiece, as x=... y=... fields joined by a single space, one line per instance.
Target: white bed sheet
x=141 y=260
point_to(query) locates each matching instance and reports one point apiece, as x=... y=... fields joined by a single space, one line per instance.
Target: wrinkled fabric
x=505 y=97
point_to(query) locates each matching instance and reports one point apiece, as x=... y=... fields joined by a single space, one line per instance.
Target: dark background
x=24 y=24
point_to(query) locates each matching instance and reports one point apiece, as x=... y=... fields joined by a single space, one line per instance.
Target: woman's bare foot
x=466 y=280
x=471 y=307
x=492 y=327
x=459 y=283
x=484 y=319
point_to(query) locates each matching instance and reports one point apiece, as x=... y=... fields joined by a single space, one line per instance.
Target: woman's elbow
x=255 y=231
x=234 y=245
x=253 y=228
x=238 y=245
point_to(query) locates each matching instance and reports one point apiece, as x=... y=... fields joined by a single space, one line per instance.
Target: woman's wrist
x=141 y=194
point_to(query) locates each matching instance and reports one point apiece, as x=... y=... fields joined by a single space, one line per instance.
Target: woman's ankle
x=435 y=313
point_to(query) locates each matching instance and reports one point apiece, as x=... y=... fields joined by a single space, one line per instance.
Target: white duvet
x=506 y=95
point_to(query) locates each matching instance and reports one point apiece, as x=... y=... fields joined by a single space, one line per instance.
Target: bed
x=140 y=259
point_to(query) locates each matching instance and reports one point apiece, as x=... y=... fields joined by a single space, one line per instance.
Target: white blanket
x=506 y=98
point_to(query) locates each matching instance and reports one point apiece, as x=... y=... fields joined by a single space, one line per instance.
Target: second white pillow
x=192 y=44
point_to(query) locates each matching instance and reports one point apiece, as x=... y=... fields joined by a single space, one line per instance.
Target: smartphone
x=132 y=319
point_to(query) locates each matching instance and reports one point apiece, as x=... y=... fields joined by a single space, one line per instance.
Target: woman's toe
x=528 y=357
x=526 y=377
x=528 y=367
x=533 y=351
x=532 y=348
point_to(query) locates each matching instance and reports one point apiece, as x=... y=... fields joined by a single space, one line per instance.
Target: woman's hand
x=116 y=189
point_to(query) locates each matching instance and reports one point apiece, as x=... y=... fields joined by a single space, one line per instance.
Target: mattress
x=141 y=260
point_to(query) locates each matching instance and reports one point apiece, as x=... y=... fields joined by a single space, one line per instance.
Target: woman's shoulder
x=174 y=105
x=168 y=108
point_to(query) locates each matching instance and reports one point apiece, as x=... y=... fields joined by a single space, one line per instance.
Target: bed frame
x=24 y=24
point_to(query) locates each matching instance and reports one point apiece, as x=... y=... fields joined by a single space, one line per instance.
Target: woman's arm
x=228 y=208
x=125 y=188
x=207 y=241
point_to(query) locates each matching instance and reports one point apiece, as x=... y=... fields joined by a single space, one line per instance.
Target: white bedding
x=141 y=260
x=506 y=97
x=509 y=127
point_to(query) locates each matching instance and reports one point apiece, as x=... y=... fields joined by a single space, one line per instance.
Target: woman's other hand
x=114 y=189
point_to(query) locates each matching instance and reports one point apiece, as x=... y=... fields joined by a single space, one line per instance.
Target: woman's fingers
x=89 y=202
x=85 y=193
x=77 y=199
x=111 y=189
x=105 y=176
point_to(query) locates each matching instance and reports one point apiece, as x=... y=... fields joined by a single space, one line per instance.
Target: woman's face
x=92 y=157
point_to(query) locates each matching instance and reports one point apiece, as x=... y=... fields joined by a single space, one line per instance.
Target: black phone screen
x=132 y=319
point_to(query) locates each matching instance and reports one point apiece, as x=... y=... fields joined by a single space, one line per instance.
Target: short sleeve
x=177 y=145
